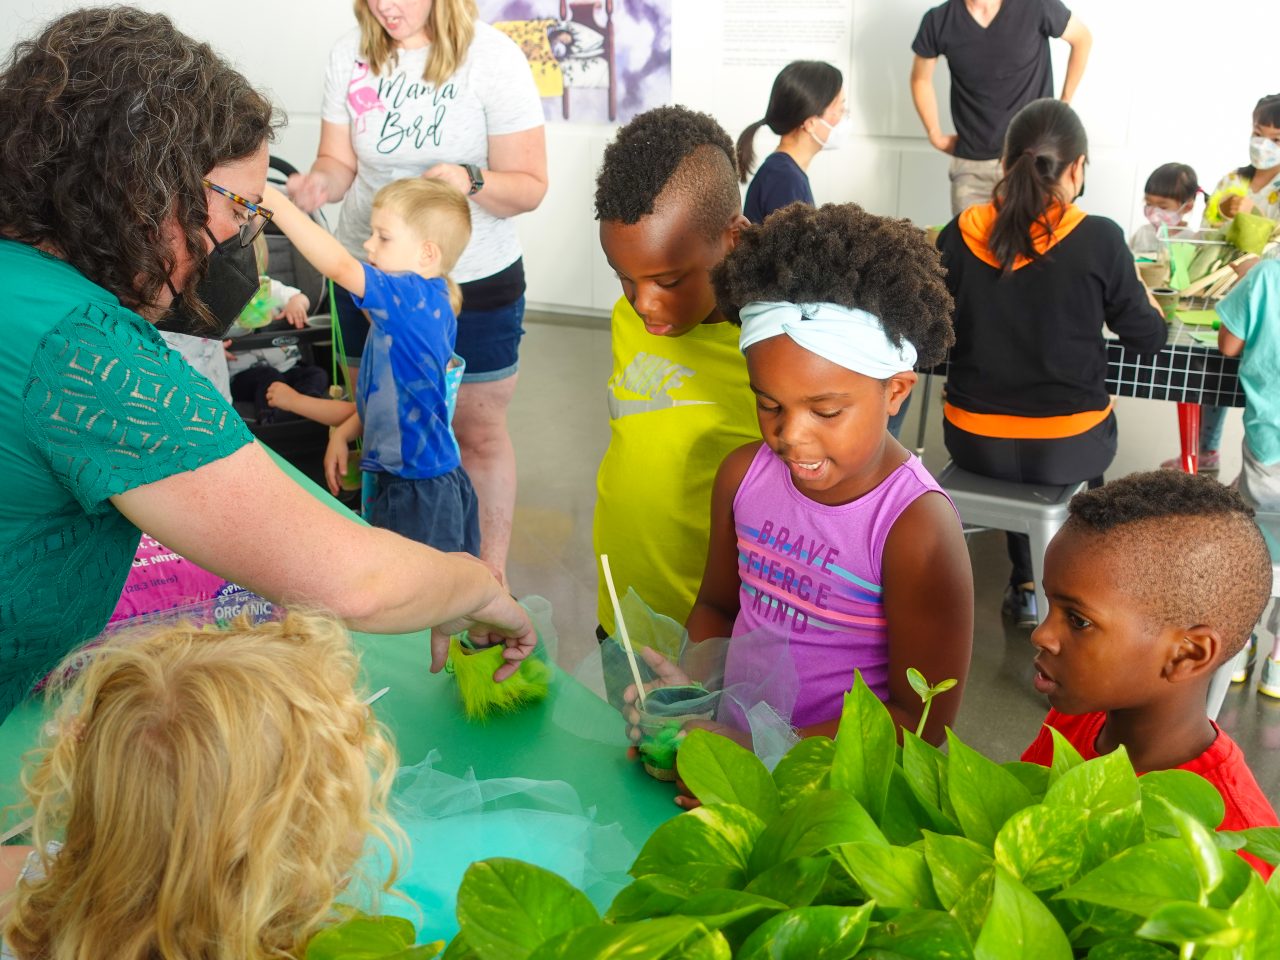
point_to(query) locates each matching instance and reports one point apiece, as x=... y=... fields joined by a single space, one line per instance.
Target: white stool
x=988 y=504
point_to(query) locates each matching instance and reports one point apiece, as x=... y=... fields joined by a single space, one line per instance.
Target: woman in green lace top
x=132 y=159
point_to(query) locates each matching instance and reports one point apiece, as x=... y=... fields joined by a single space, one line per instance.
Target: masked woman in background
x=807 y=110
x=132 y=160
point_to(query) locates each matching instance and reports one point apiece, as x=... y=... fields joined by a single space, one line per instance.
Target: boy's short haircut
x=840 y=253
x=670 y=152
x=432 y=209
x=1193 y=554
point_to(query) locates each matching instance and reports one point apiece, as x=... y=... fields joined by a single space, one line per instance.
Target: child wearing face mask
x=1253 y=188
x=1167 y=199
x=807 y=110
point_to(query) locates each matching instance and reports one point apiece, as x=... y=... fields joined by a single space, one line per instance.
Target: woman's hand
x=500 y=621
x=308 y=191
x=295 y=311
x=453 y=174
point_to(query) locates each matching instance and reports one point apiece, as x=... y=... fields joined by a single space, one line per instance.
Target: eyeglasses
x=258 y=214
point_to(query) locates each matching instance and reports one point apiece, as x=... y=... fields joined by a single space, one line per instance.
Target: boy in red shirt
x=1155 y=581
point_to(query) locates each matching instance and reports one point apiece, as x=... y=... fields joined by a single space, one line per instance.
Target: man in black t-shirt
x=998 y=54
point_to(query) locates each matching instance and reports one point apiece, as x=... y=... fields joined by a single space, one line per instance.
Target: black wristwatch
x=476 y=176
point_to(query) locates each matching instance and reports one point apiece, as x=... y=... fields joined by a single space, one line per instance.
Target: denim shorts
x=441 y=512
x=488 y=340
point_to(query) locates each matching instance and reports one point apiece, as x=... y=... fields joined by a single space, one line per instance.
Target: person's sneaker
x=1269 y=682
x=1207 y=463
x=1020 y=604
x=1242 y=673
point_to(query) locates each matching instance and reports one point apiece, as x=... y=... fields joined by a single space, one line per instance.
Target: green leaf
x=944 y=685
x=918 y=935
x=705 y=847
x=895 y=877
x=1140 y=879
x=925 y=767
x=1105 y=788
x=809 y=933
x=817 y=823
x=1065 y=756
x=865 y=748
x=1127 y=948
x=508 y=908
x=1185 y=790
x=804 y=770
x=1256 y=913
x=918 y=683
x=1190 y=923
x=666 y=938
x=1204 y=852
x=650 y=896
x=734 y=913
x=459 y=949
x=1262 y=842
x=1031 y=775
x=983 y=793
x=1019 y=925
x=793 y=882
x=362 y=937
x=955 y=865
x=717 y=770
x=974 y=905
x=906 y=816
x=1040 y=845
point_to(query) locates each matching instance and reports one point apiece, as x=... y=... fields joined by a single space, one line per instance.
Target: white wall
x=1147 y=98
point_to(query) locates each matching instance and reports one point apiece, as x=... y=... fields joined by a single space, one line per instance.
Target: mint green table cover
x=423 y=713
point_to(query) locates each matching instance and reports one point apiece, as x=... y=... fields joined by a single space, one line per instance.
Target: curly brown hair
x=840 y=253
x=109 y=119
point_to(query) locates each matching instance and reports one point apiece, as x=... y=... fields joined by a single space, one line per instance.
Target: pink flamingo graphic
x=362 y=98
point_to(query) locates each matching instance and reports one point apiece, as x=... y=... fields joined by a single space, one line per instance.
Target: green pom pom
x=481 y=697
x=659 y=749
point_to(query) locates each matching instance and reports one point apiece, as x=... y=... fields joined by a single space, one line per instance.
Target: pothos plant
x=861 y=848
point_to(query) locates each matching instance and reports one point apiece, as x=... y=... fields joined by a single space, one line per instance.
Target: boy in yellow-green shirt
x=669 y=210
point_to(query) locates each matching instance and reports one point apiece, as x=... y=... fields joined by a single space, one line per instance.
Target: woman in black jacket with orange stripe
x=1034 y=280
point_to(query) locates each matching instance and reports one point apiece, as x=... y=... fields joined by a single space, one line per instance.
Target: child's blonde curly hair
x=213 y=791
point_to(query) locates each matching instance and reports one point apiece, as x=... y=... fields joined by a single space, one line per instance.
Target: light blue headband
x=852 y=338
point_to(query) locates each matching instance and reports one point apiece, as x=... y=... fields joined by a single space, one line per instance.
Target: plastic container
x=1168 y=300
x=666 y=711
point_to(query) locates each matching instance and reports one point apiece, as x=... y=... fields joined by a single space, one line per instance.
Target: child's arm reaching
x=321 y=248
x=320 y=409
x=716 y=606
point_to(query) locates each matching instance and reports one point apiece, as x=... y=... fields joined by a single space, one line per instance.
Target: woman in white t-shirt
x=422 y=88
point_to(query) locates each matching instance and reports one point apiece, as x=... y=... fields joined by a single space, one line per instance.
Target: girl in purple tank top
x=830 y=533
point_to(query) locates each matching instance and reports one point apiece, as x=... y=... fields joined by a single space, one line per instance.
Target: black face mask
x=228 y=286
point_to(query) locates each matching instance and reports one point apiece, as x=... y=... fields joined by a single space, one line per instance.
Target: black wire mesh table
x=1185 y=371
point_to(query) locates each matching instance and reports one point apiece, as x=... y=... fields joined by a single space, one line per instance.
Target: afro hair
x=1191 y=552
x=665 y=153
x=839 y=253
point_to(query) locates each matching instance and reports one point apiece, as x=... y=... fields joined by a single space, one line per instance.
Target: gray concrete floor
x=560 y=428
